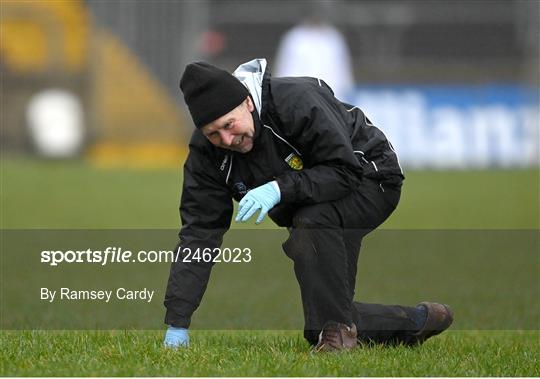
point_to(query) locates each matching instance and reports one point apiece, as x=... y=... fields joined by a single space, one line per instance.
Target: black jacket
x=316 y=147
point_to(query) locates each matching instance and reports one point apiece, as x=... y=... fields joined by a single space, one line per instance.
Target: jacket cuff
x=287 y=187
x=176 y=320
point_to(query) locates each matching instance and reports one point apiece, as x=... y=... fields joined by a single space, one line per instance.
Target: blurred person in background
x=289 y=148
x=316 y=48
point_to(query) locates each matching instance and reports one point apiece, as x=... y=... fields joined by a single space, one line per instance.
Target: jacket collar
x=252 y=74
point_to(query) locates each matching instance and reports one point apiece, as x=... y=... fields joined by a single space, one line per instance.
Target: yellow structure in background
x=125 y=96
x=131 y=119
x=41 y=35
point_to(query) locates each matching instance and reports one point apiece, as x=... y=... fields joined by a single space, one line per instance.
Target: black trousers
x=324 y=244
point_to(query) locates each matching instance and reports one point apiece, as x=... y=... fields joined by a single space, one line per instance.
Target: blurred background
x=454 y=83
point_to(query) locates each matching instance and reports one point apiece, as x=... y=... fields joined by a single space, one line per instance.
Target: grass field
x=262 y=354
x=39 y=194
x=56 y=195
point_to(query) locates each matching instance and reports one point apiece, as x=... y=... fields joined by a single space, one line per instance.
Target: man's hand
x=176 y=337
x=264 y=198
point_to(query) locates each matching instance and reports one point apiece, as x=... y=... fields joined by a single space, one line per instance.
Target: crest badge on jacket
x=294 y=161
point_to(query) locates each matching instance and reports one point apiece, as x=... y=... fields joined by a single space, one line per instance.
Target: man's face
x=234 y=130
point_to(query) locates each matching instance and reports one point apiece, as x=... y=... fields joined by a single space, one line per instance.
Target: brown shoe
x=336 y=336
x=439 y=318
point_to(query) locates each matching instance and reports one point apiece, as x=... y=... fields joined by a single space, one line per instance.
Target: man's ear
x=250 y=105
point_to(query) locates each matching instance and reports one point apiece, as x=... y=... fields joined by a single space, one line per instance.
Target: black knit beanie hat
x=210 y=92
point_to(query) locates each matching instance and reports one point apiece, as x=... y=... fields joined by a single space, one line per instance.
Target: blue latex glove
x=176 y=337
x=262 y=198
